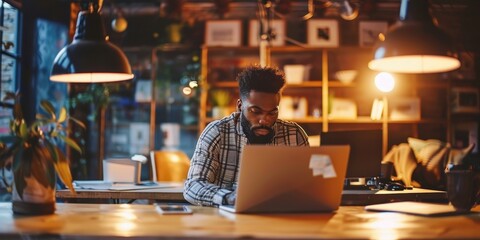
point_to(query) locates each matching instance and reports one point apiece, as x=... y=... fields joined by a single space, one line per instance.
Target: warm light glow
x=193 y=84
x=415 y=64
x=91 y=77
x=387 y=226
x=187 y=91
x=384 y=82
x=124 y=228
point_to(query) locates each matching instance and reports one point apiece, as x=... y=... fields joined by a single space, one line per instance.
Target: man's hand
x=230 y=198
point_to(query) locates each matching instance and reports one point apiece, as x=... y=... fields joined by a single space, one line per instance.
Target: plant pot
x=36 y=199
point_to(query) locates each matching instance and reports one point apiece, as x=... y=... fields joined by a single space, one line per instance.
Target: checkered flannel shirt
x=215 y=162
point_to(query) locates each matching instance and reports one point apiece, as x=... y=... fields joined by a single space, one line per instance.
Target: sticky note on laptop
x=321 y=165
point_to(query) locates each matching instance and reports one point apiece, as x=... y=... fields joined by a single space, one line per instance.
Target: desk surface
x=142 y=221
x=175 y=194
x=165 y=191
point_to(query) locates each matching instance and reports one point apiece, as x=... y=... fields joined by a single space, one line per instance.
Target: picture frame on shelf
x=322 y=33
x=278 y=29
x=223 y=33
x=404 y=108
x=369 y=32
x=139 y=137
x=465 y=100
x=343 y=108
x=143 y=91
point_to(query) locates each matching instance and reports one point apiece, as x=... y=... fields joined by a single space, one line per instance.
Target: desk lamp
x=90 y=58
x=385 y=83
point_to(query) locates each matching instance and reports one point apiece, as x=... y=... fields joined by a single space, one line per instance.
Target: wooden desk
x=86 y=221
x=170 y=194
x=349 y=197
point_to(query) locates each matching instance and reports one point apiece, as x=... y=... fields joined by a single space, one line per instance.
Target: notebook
x=286 y=179
x=416 y=208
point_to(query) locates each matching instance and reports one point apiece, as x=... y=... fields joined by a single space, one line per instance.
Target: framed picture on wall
x=404 y=108
x=278 y=29
x=322 y=33
x=370 y=31
x=225 y=33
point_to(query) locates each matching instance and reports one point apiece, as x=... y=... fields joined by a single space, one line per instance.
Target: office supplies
x=280 y=179
x=365 y=153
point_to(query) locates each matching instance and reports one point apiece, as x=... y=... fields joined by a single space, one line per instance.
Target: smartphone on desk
x=173 y=209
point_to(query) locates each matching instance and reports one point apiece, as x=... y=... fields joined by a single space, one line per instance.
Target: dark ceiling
x=458 y=17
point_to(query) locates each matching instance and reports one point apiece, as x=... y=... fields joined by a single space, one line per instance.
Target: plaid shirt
x=215 y=162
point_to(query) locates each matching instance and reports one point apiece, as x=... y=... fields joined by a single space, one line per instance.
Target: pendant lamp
x=90 y=58
x=414 y=44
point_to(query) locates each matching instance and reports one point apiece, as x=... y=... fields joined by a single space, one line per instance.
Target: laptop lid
x=281 y=179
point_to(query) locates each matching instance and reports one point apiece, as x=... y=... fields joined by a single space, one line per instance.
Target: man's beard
x=250 y=132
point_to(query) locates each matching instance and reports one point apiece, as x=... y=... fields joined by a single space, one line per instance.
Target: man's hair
x=261 y=79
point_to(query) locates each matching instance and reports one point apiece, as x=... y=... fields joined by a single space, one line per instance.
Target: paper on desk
x=101 y=185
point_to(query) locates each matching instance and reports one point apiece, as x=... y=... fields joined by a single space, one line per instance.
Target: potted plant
x=35 y=154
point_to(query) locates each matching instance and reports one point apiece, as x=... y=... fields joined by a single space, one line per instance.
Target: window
x=9 y=61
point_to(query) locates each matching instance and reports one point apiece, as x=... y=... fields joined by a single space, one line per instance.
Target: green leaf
x=78 y=122
x=53 y=151
x=63 y=170
x=48 y=107
x=23 y=130
x=63 y=115
x=70 y=142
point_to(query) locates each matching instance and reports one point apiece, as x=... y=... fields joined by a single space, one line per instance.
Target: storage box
x=297 y=73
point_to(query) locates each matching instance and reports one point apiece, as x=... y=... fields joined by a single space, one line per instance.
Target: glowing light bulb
x=119 y=24
x=384 y=82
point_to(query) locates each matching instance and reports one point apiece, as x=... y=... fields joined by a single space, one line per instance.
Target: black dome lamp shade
x=414 y=44
x=90 y=58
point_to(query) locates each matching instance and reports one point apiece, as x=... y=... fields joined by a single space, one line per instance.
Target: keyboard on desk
x=393 y=186
x=358 y=187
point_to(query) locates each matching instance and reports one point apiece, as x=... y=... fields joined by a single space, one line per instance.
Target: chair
x=169 y=165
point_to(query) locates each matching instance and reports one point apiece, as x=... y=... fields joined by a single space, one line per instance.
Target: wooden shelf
x=320 y=87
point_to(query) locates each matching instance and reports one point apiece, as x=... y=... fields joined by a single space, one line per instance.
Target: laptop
x=290 y=179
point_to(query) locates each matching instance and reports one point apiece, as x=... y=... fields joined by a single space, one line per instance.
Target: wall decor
x=143 y=91
x=404 y=108
x=465 y=100
x=369 y=32
x=225 y=33
x=322 y=33
x=278 y=29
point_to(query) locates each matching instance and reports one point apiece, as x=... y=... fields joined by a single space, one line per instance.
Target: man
x=215 y=162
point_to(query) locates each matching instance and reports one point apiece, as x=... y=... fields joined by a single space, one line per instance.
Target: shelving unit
x=220 y=65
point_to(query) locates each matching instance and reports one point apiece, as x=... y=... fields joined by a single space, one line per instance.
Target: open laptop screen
x=365 y=150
